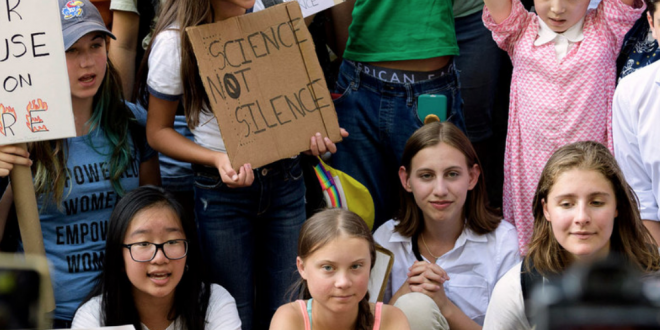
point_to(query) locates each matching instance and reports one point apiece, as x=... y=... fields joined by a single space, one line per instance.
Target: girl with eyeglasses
x=153 y=276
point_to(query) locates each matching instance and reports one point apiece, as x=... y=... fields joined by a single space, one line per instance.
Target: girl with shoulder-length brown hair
x=449 y=247
x=583 y=211
x=629 y=237
x=336 y=253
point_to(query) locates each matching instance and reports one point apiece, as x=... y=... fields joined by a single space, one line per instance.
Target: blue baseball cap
x=80 y=17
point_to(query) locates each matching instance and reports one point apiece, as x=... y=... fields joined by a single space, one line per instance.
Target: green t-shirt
x=463 y=8
x=394 y=30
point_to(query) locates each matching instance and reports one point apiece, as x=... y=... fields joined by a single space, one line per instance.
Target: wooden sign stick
x=27 y=213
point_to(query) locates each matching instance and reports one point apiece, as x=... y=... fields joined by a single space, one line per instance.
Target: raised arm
x=500 y=9
x=122 y=51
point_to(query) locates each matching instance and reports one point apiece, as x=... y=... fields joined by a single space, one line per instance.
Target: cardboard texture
x=265 y=84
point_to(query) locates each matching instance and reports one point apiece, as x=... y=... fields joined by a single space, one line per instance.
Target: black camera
x=22 y=282
x=606 y=294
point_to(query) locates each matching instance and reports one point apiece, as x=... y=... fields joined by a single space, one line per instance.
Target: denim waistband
x=354 y=72
x=279 y=167
x=403 y=76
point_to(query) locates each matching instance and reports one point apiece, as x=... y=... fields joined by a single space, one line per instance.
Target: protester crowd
x=547 y=156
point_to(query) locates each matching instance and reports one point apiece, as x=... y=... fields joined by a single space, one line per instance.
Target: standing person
x=336 y=253
x=152 y=290
x=484 y=72
x=449 y=247
x=583 y=210
x=479 y=65
x=248 y=219
x=131 y=23
x=79 y=180
x=639 y=48
x=635 y=121
x=564 y=76
x=387 y=65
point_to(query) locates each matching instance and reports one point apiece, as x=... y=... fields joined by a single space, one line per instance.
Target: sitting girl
x=449 y=247
x=583 y=210
x=335 y=255
x=153 y=276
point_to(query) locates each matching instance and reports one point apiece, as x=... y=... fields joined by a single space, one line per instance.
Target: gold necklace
x=427 y=248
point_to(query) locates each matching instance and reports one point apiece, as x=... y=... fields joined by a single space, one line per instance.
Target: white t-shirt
x=164 y=82
x=635 y=121
x=220 y=315
x=507 y=306
x=474 y=264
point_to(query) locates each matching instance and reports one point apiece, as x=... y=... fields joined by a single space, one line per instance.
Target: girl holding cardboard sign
x=78 y=180
x=249 y=219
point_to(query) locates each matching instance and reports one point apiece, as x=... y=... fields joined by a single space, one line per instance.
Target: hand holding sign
x=320 y=145
x=265 y=85
x=230 y=177
x=33 y=107
x=12 y=155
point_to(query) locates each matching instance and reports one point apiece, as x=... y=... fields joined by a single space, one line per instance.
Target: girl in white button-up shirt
x=447 y=244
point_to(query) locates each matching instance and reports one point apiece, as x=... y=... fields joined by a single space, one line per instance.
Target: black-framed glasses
x=146 y=251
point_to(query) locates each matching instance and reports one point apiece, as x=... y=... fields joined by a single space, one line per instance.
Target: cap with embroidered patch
x=80 y=17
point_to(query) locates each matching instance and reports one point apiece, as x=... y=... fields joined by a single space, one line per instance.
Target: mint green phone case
x=432 y=104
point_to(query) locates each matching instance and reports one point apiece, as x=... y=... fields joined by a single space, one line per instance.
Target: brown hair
x=480 y=217
x=629 y=238
x=322 y=228
x=650 y=5
x=182 y=14
x=119 y=127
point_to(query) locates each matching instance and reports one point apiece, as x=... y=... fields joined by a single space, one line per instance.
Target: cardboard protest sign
x=265 y=84
x=308 y=7
x=35 y=101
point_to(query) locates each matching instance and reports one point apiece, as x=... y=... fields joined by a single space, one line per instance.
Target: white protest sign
x=35 y=100
x=308 y=7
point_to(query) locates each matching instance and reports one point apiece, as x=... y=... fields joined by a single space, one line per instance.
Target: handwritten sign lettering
x=265 y=84
x=308 y=7
x=33 y=76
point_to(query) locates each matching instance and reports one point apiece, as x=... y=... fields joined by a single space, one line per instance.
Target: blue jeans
x=479 y=65
x=380 y=117
x=249 y=235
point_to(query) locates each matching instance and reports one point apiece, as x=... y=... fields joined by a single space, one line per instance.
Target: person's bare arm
x=287 y=317
x=633 y=3
x=342 y=17
x=122 y=51
x=150 y=172
x=499 y=9
x=654 y=229
x=163 y=138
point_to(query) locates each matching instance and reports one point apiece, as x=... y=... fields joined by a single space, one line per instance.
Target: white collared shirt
x=474 y=264
x=563 y=40
x=636 y=135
